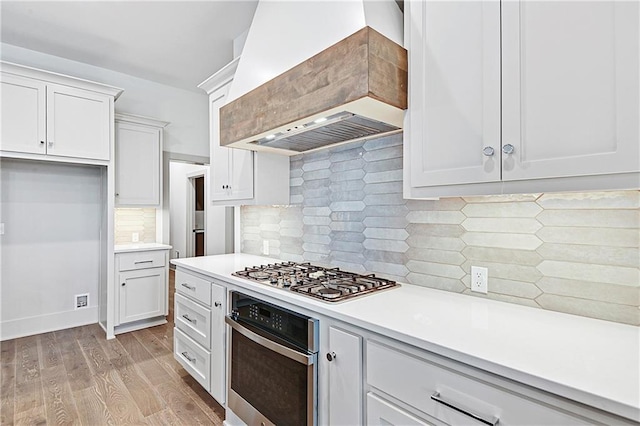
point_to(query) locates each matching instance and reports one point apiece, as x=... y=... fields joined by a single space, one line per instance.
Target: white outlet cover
x=135 y=237
x=479 y=279
x=265 y=247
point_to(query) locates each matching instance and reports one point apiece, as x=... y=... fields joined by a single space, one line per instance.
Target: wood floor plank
x=165 y=417
x=8 y=351
x=50 y=355
x=118 y=400
x=143 y=395
x=204 y=400
x=95 y=356
x=164 y=333
x=182 y=405
x=151 y=342
x=92 y=409
x=60 y=407
x=144 y=360
x=78 y=372
x=7 y=413
x=27 y=359
x=28 y=396
x=33 y=417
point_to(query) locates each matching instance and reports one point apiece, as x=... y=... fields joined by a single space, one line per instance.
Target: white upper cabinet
x=521 y=97
x=454 y=73
x=22 y=113
x=54 y=117
x=78 y=123
x=138 y=160
x=231 y=169
x=570 y=88
x=240 y=176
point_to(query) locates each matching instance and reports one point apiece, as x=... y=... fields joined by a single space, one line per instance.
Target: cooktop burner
x=328 y=284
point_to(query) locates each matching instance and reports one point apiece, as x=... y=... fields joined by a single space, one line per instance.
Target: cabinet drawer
x=193 y=287
x=417 y=381
x=195 y=359
x=194 y=320
x=141 y=260
x=383 y=413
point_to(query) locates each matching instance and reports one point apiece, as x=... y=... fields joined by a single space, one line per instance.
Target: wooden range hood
x=353 y=90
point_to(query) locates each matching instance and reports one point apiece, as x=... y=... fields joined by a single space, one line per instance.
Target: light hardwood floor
x=76 y=376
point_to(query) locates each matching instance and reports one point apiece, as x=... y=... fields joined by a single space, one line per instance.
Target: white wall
x=186 y=111
x=51 y=246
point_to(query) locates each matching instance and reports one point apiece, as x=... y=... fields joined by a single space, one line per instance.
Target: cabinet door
x=77 y=123
x=142 y=294
x=383 y=413
x=220 y=156
x=570 y=88
x=137 y=164
x=241 y=174
x=345 y=378
x=454 y=109
x=22 y=114
x=218 y=352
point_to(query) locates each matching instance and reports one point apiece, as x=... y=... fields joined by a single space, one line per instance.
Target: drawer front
x=420 y=383
x=141 y=260
x=194 y=320
x=193 y=287
x=383 y=413
x=193 y=357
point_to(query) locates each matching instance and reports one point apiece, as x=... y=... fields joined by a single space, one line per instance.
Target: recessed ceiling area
x=178 y=43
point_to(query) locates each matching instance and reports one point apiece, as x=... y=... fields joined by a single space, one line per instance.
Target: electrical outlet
x=135 y=237
x=81 y=301
x=479 y=279
x=265 y=247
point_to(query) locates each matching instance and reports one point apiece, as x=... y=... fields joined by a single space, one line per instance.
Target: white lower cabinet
x=199 y=338
x=345 y=377
x=142 y=289
x=142 y=294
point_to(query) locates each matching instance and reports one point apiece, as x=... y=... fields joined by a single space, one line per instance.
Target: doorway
x=197 y=214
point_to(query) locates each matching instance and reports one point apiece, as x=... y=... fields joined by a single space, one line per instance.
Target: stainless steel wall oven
x=273 y=368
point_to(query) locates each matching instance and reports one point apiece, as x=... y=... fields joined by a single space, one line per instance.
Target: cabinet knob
x=217 y=304
x=488 y=151
x=50 y=144
x=42 y=142
x=123 y=284
x=508 y=149
x=331 y=356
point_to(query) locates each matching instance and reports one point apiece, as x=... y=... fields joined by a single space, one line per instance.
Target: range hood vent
x=341 y=127
x=353 y=90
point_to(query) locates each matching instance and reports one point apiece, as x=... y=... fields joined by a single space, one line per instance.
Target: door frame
x=190 y=217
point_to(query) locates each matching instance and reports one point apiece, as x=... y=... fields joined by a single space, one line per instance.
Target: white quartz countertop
x=124 y=248
x=587 y=360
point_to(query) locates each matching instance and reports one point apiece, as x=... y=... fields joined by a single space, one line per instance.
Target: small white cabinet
x=345 y=377
x=49 y=116
x=142 y=288
x=240 y=176
x=138 y=160
x=521 y=96
x=231 y=169
x=200 y=308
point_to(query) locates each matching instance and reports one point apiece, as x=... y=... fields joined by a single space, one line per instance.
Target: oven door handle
x=300 y=357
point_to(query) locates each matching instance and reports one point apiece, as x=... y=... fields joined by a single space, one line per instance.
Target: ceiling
x=178 y=43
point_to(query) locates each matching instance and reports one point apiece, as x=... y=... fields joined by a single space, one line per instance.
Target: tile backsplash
x=570 y=252
x=130 y=220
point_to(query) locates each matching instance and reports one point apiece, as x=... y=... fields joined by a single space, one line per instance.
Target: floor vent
x=82 y=300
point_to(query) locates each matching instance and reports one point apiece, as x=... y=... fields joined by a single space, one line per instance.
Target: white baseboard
x=44 y=323
x=139 y=325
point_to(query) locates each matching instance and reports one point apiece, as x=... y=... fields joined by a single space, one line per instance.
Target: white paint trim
x=44 y=323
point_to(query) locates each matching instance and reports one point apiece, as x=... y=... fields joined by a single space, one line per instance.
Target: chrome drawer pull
x=186 y=355
x=142 y=261
x=188 y=286
x=493 y=421
x=185 y=316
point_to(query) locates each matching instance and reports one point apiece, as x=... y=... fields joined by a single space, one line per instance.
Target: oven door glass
x=278 y=387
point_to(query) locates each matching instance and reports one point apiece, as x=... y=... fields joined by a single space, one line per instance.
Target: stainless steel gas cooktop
x=328 y=284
